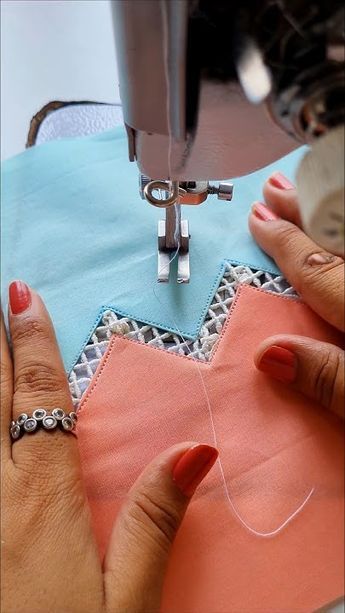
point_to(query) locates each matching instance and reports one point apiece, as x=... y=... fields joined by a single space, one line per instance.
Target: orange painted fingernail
x=193 y=467
x=281 y=181
x=263 y=212
x=280 y=363
x=19 y=297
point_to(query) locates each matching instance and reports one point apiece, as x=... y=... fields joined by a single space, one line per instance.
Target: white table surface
x=52 y=50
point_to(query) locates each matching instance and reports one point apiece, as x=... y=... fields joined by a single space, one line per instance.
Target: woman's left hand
x=50 y=562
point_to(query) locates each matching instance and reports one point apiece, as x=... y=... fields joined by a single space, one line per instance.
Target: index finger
x=281 y=195
x=39 y=377
x=318 y=276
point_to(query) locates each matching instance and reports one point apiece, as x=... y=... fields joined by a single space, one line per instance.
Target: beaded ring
x=42 y=419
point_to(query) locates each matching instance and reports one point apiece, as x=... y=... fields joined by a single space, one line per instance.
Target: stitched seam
x=77 y=355
x=174 y=331
x=225 y=327
x=210 y=295
x=254 y=266
x=234 y=304
x=209 y=364
x=172 y=354
x=227 y=323
x=274 y=295
x=102 y=367
x=156 y=324
x=113 y=308
x=190 y=336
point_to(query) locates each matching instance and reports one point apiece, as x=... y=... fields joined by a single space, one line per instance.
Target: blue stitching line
x=77 y=355
x=228 y=323
x=146 y=321
x=255 y=266
x=209 y=298
x=189 y=335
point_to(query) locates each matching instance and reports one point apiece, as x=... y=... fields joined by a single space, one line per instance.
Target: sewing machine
x=212 y=89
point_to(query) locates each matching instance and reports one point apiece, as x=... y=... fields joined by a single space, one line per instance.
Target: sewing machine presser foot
x=173 y=242
x=173 y=233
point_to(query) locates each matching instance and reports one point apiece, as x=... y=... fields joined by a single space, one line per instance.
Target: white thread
x=242 y=521
x=215 y=440
x=177 y=224
x=164 y=8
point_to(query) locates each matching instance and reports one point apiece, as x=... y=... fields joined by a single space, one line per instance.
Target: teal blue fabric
x=75 y=229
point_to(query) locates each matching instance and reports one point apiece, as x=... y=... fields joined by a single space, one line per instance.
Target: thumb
x=141 y=541
x=312 y=367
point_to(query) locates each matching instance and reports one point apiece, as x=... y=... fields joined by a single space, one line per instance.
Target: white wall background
x=52 y=50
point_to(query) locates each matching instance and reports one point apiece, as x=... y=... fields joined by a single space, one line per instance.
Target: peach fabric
x=274 y=446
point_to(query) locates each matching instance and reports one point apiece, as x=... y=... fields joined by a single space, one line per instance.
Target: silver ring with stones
x=45 y=419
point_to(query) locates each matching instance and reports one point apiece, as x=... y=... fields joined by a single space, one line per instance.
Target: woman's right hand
x=310 y=366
